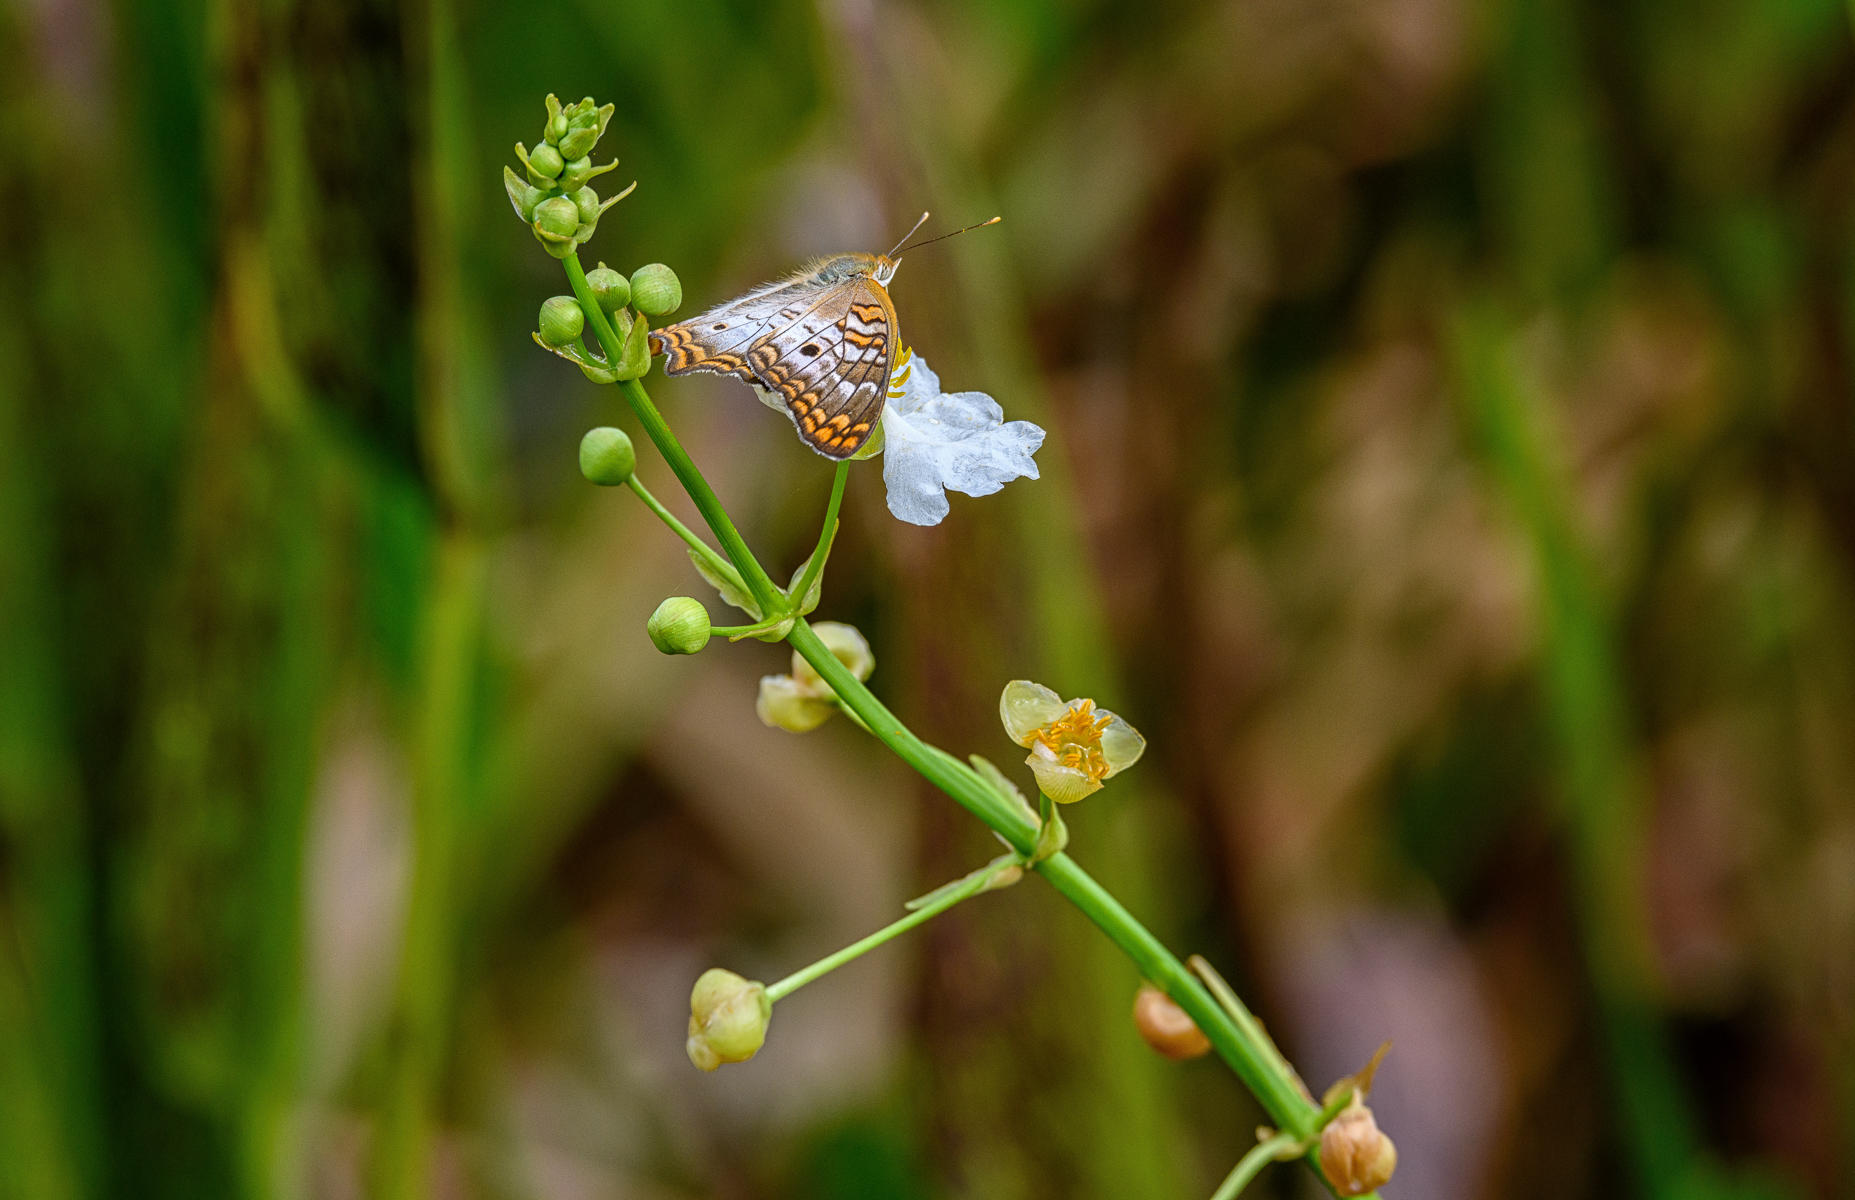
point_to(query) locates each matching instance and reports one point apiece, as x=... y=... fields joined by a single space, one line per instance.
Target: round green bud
x=655 y=290
x=562 y=319
x=587 y=201
x=546 y=161
x=608 y=459
x=558 y=216
x=576 y=173
x=679 y=626
x=612 y=289
x=728 y=1017
x=579 y=142
x=557 y=128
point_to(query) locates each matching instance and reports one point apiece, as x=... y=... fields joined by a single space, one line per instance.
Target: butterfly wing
x=831 y=368
x=823 y=349
x=719 y=339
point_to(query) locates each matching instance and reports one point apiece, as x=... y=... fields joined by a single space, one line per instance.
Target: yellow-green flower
x=728 y=1017
x=1074 y=746
x=802 y=701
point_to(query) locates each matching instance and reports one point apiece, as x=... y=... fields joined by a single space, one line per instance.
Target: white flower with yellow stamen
x=1074 y=746
x=935 y=440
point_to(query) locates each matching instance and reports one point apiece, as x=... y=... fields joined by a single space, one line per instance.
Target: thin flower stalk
x=815 y=566
x=984 y=879
x=658 y=430
x=1271 y=1149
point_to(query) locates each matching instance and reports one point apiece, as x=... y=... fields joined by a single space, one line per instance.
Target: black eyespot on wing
x=720 y=326
x=811 y=349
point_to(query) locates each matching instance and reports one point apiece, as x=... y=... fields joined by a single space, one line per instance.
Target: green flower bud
x=728 y=1017
x=557 y=219
x=608 y=459
x=679 y=626
x=655 y=290
x=556 y=128
x=579 y=143
x=546 y=161
x=586 y=124
x=587 y=201
x=562 y=319
x=612 y=289
x=576 y=173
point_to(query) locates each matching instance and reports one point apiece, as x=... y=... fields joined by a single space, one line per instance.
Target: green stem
x=752 y=573
x=816 y=566
x=965 y=889
x=941 y=769
x=1253 y=1059
x=720 y=565
x=1228 y=999
x=1271 y=1149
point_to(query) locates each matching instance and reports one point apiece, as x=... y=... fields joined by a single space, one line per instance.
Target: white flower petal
x=934 y=441
x=1026 y=707
x=1121 y=743
x=1063 y=784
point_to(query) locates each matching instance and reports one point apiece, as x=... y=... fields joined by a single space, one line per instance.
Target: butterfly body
x=822 y=340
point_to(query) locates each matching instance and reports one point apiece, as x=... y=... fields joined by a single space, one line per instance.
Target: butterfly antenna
x=906 y=236
x=941 y=237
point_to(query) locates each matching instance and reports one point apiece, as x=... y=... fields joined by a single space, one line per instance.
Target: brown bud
x=1167 y=1027
x=1354 y=1155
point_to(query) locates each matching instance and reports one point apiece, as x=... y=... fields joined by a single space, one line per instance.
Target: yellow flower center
x=1075 y=739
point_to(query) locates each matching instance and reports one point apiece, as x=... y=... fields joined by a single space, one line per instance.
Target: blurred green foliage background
x=1451 y=470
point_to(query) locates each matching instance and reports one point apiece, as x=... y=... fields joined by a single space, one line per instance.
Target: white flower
x=934 y=440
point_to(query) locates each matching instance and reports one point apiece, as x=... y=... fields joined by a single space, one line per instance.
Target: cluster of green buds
x=626 y=303
x=554 y=193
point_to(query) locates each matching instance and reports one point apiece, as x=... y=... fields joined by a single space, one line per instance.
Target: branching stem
x=940 y=902
x=1240 y=1043
x=707 y=552
x=1271 y=1149
x=752 y=574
